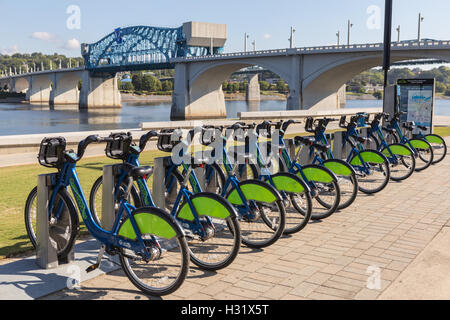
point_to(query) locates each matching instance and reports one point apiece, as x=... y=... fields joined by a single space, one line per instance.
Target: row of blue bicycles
x=247 y=185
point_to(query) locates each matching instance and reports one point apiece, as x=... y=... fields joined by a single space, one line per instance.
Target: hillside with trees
x=19 y=61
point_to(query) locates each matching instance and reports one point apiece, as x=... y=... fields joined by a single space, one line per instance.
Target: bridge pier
x=253 y=88
x=40 y=90
x=204 y=100
x=99 y=91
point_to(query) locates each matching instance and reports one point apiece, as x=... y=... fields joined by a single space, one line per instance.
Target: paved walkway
x=377 y=248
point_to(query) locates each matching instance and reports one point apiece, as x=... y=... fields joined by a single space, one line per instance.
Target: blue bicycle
x=260 y=207
x=400 y=156
x=150 y=243
x=209 y=221
x=371 y=166
x=423 y=150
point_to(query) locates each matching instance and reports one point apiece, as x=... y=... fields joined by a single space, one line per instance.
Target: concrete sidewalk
x=390 y=245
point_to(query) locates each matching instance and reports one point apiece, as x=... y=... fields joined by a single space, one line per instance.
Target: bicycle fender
x=419 y=144
x=368 y=156
x=254 y=190
x=318 y=173
x=398 y=150
x=289 y=183
x=152 y=221
x=207 y=204
x=339 y=167
x=432 y=138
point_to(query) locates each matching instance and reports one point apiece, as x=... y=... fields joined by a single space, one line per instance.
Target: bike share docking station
x=48 y=233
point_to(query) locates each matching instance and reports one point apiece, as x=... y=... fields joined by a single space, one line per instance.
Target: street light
x=398 y=33
x=245 y=41
x=350 y=25
x=338 y=35
x=291 y=39
x=254 y=45
x=420 y=22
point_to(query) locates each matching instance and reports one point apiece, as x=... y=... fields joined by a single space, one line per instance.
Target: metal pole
x=245 y=42
x=291 y=39
x=419 y=25
x=350 y=25
x=387 y=45
x=338 y=34
x=254 y=45
x=398 y=34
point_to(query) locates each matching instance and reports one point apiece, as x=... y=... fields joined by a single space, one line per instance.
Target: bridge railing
x=403 y=45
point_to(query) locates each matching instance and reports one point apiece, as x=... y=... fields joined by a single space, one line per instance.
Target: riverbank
x=127 y=97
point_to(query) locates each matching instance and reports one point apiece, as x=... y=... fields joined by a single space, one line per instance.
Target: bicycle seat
x=424 y=128
x=390 y=130
x=409 y=125
x=322 y=147
x=140 y=172
x=309 y=141
x=361 y=139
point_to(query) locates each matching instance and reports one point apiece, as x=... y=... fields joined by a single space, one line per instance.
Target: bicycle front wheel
x=373 y=172
x=262 y=218
x=439 y=147
x=216 y=242
x=162 y=236
x=425 y=155
x=63 y=222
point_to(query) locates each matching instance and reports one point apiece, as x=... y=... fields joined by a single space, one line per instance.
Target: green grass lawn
x=17 y=182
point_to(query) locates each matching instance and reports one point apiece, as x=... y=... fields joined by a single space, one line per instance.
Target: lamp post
x=291 y=39
x=350 y=25
x=338 y=35
x=245 y=41
x=420 y=23
x=254 y=45
x=398 y=33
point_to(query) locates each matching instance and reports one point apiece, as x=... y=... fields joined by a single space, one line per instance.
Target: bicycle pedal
x=93 y=268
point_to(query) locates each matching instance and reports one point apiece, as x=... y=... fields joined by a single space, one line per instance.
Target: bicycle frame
x=69 y=177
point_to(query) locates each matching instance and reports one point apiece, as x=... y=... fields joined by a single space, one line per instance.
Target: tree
x=264 y=85
x=167 y=85
x=127 y=86
x=137 y=81
x=447 y=92
x=440 y=87
x=281 y=86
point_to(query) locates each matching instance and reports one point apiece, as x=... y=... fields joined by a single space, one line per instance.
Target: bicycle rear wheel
x=166 y=272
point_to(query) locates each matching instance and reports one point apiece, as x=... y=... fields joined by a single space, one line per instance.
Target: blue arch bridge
x=316 y=76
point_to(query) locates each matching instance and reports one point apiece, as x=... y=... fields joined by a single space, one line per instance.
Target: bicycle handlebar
x=145 y=138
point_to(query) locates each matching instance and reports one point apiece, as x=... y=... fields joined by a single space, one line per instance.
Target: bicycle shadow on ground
x=23 y=279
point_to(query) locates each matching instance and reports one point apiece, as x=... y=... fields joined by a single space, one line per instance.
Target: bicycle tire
x=71 y=215
x=93 y=198
x=169 y=247
x=437 y=140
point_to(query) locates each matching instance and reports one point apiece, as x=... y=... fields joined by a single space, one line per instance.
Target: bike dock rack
x=46 y=257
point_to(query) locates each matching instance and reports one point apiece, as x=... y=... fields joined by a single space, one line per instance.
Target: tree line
x=375 y=77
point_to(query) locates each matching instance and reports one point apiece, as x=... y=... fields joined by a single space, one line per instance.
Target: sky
x=60 y=26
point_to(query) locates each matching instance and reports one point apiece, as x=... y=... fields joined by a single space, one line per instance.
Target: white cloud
x=267 y=36
x=44 y=36
x=10 y=50
x=72 y=44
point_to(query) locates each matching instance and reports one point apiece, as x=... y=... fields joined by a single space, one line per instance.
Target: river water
x=17 y=119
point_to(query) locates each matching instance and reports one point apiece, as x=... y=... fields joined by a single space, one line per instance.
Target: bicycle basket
x=51 y=152
x=168 y=139
x=119 y=148
x=210 y=135
x=264 y=130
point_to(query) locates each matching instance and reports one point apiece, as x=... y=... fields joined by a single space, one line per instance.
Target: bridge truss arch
x=139 y=48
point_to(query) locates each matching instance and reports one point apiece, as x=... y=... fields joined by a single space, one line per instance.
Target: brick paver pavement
x=331 y=259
